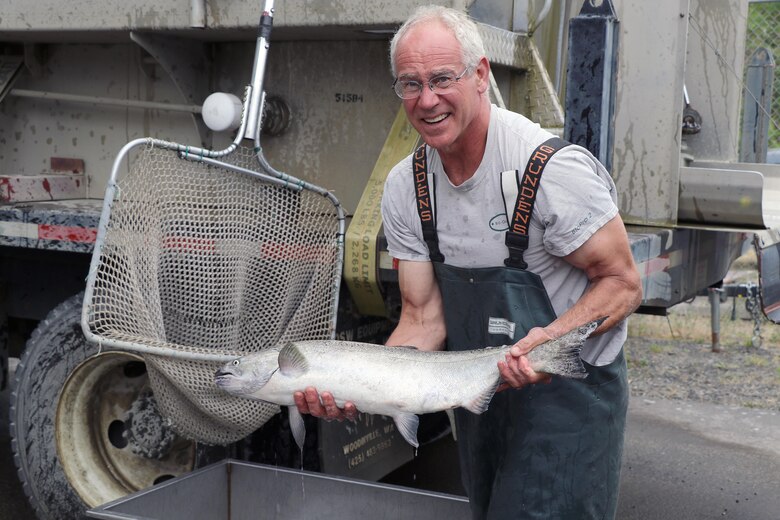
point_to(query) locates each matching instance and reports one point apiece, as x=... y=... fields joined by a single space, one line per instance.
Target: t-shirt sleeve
x=401 y=223
x=577 y=197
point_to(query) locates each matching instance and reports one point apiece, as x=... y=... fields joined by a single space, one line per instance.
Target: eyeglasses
x=412 y=88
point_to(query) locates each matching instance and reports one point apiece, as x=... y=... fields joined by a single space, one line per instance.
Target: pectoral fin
x=406 y=424
x=292 y=362
x=296 y=426
x=479 y=403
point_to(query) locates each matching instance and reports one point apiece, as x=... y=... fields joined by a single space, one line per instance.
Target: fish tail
x=561 y=356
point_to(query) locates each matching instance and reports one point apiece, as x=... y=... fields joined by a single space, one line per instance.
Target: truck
x=659 y=103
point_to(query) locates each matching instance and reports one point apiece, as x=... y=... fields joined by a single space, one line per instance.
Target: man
x=541 y=450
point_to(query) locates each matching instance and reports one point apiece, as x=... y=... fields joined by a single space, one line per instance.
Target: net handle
x=255 y=95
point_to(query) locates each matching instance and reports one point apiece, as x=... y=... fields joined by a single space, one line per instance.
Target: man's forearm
x=424 y=336
x=421 y=324
x=613 y=298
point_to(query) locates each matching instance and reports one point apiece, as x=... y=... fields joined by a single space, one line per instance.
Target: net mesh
x=201 y=259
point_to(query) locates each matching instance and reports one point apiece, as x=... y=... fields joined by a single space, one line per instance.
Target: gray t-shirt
x=575 y=198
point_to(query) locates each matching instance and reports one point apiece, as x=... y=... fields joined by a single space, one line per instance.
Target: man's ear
x=483 y=75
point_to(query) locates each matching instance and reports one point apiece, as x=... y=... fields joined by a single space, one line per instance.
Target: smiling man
x=524 y=243
x=506 y=234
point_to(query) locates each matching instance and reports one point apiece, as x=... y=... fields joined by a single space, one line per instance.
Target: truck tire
x=71 y=417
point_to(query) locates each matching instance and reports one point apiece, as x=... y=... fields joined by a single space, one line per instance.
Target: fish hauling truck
x=188 y=181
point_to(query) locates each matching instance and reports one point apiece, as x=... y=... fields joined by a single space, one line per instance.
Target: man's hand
x=516 y=371
x=615 y=290
x=323 y=406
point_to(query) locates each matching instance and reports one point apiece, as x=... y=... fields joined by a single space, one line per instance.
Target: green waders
x=550 y=451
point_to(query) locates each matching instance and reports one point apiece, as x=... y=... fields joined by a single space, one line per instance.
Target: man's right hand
x=323 y=406
x=516 y=371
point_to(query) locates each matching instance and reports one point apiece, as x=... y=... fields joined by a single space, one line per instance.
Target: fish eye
x=236 y=362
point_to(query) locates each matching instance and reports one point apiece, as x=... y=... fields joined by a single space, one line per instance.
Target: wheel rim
x=97 y=459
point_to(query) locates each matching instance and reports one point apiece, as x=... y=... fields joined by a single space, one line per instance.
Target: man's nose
x=428 y=97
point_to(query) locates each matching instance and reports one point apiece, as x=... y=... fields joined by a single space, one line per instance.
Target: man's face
x=444 y=118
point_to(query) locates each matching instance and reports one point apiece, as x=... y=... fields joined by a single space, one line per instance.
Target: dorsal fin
x=292 y=362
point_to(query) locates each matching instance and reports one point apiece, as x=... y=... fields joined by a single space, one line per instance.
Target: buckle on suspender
x=429 y=235
x=517 y=244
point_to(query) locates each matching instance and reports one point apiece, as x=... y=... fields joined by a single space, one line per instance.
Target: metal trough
x=732 y=195
x=234 y=490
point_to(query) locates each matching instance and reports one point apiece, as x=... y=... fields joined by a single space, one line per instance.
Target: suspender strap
x=517 y=235
x=424 y=208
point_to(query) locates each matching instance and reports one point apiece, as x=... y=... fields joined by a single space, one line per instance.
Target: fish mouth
x=232 y=386
x=223 y=378
x=232 y=383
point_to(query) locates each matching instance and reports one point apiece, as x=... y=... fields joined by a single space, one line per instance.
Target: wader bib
x=548 y=451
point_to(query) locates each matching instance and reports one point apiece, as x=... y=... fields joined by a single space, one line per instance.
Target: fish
x=399 y=382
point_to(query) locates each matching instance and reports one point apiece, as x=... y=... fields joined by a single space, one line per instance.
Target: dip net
x=197 y=263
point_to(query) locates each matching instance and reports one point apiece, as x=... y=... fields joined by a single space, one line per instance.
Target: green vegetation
x=692 y=323
x=756 y=361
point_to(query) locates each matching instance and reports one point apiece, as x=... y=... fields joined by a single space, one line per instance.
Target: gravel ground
x=671 y=357
x=737 y=376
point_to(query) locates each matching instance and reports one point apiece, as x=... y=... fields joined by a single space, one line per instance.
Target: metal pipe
x=198 y=14
x=559 y=51
x=96 y=100
x=541 y=16
x=255 y=105
x=714 y=297
x=290 y=183
x=757 y=106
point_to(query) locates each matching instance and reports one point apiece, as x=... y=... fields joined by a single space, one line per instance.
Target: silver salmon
x=399 y=382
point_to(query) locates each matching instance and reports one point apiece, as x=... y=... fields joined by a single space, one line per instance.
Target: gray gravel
x=737 y=376
x=671 y=357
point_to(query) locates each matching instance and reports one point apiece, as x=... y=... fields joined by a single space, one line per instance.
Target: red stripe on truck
x=66 y=233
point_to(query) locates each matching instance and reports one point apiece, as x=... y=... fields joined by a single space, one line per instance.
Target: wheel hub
x=147 y=432
x=111 y=439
